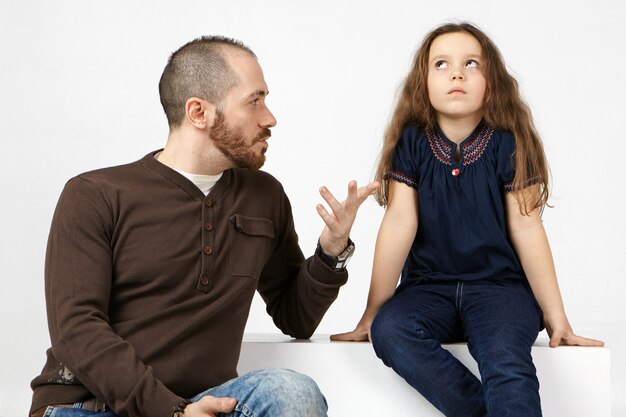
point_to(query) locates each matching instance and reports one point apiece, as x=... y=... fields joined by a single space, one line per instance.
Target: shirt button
x=208 y=226
x=204 y=281
x=208 y=203
x=207 y=250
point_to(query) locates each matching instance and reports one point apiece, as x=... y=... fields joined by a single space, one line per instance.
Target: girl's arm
x=531 y=245
x=395 y=237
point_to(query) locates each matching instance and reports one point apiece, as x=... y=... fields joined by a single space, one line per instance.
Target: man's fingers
x=361 y=194
x=368 y=190
x=356 y=197
x=353 y=190
x=216 y=405
x=333 y=203
x=325 y=215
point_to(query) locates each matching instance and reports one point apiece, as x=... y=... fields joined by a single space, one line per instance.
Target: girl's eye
x=255 y=101
x=471 y=64
x=441 y=64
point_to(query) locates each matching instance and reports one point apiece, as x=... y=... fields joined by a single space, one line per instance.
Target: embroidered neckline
x=472 y=148
x=441 y=148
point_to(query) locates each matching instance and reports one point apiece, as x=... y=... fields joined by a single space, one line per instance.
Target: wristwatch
x=338 y=263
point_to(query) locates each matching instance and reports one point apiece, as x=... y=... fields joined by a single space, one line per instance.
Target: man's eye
x=441 y=64
x=255 y=101
x=471 y=64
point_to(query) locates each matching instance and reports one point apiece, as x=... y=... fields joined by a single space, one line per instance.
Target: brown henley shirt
x=149 y=284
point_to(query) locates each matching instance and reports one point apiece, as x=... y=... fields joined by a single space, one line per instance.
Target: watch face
x=344 y=257
x=347 y=253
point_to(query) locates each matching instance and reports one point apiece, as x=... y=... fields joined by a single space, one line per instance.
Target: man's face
x=242 y=151
x=240 y=131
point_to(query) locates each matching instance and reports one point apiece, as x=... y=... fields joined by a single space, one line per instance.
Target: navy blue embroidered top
x=462 y=232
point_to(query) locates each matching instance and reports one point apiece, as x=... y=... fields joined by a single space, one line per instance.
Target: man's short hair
x=197 y=69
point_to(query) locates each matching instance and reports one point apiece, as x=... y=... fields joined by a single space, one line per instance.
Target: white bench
x=574 y=381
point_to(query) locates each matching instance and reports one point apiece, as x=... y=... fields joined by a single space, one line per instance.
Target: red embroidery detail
x=440 y=148
x=472 y=149
x=476 y=146
x=398 y=176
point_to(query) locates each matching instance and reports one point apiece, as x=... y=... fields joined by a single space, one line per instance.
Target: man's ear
x=199 y=113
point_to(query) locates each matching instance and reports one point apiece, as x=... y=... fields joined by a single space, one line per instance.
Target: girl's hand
x=561 y=333
x=360 y=334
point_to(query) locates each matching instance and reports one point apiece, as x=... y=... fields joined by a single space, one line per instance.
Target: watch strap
x=338 y=263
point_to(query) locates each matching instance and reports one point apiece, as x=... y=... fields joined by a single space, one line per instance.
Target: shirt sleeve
x=297 y=291
x=404 y=165
x=79 y=274
x=505 y=161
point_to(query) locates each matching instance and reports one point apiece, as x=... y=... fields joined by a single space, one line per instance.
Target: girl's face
x=456 y=79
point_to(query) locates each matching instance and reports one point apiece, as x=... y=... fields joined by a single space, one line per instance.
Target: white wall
x=78 y=90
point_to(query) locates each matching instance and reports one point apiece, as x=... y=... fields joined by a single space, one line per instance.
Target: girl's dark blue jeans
x=499 y=320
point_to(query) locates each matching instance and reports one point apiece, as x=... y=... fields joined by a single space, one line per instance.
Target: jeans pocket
x=250 y=243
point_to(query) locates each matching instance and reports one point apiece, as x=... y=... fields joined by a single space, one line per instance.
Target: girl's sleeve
x=505 y=161
x=405 y=159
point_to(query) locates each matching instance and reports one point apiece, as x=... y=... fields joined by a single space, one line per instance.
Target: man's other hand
x=210 y=407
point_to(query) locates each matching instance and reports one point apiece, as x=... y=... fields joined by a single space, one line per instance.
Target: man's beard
x=232 y=143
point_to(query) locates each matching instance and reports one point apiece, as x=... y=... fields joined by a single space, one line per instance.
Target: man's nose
x=268 y=119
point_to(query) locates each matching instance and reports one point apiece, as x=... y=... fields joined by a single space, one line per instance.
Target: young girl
x=464 y=179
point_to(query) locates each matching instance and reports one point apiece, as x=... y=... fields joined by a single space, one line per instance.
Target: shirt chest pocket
x=250 y=242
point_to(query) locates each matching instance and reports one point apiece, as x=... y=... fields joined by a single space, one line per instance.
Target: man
x=151 y=267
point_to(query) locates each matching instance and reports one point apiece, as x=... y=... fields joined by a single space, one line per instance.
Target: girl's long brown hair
x=503 y=109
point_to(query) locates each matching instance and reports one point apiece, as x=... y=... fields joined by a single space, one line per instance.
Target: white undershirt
x=203 y=182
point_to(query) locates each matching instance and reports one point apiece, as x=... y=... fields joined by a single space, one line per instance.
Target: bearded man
x=151 y=267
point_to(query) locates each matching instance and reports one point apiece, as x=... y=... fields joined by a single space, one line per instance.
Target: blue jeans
x=499 y=320
x=262 y=393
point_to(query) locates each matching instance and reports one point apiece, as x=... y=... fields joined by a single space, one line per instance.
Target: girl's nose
x=457 y=75
x=456 y=72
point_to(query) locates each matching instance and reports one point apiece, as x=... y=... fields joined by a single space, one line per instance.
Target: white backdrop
x=78 y=91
